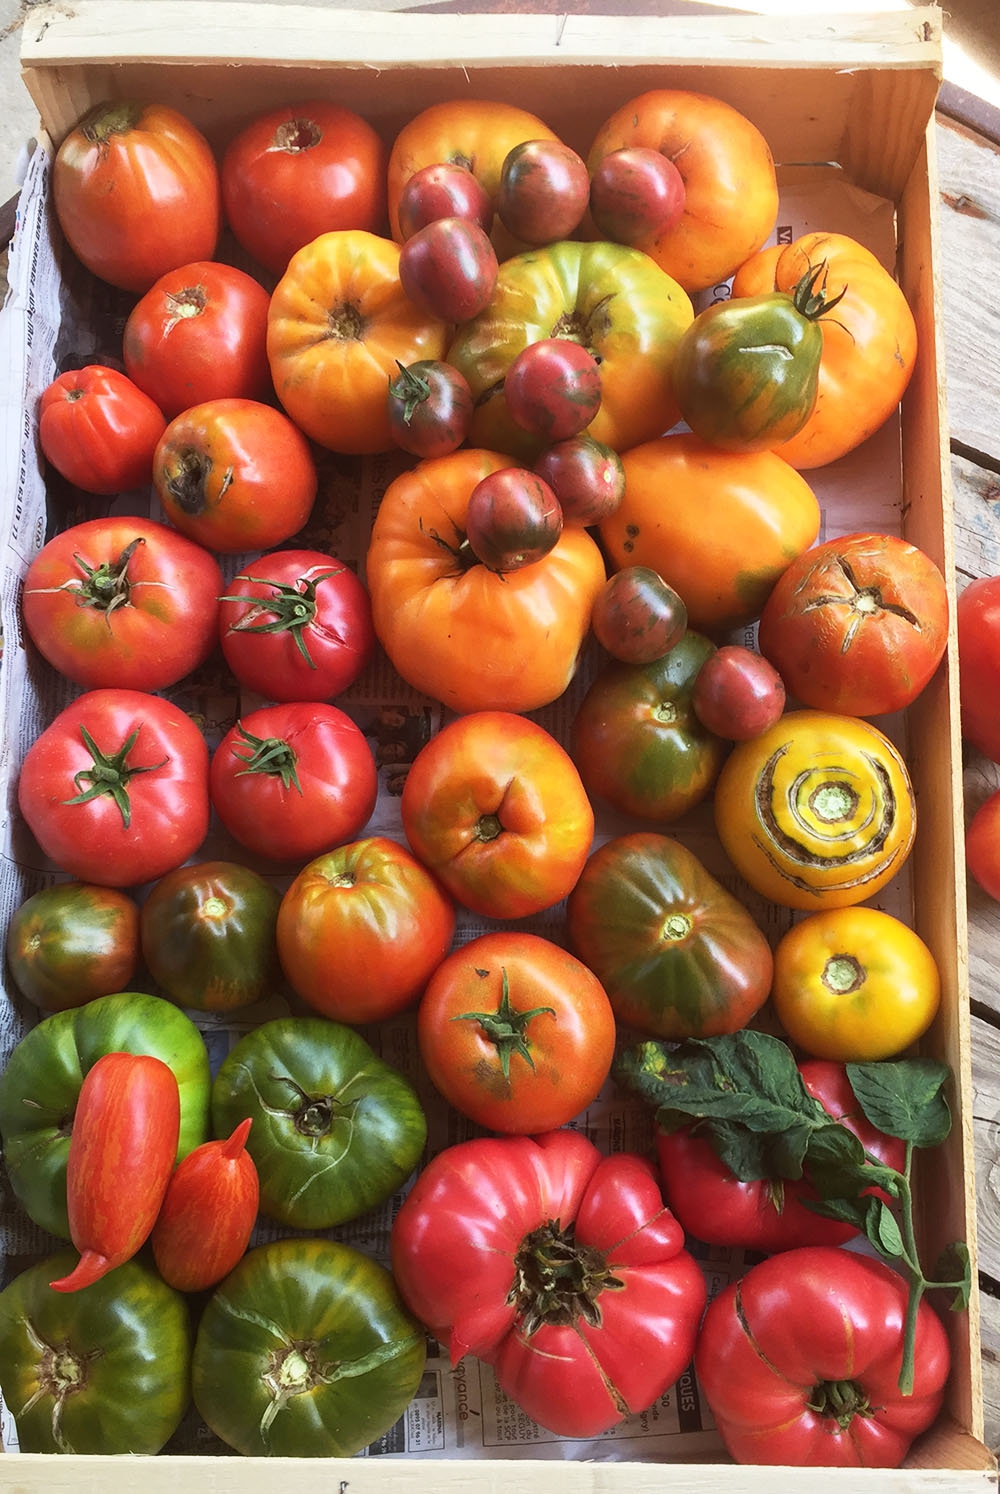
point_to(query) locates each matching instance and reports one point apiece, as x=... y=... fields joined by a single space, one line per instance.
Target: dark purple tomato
x=513 y=519
x=449 y=269
x=635 y=194
x=543 y=193
x=586 y=476
x=430 y=408
x=553 y=388
x=637 y=617
x=443 y=190
x=738 y=694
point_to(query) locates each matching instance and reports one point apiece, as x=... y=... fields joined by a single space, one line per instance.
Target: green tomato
x=305 y=1350
x=106 y=1370
x=41 y=1084
x=72 y=942
x=335 y=1130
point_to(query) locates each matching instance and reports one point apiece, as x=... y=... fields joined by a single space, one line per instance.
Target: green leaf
x=953 y=1268
x=848 y=1210
x=835 y=1162
x=883 y=1231
x=904 y=1098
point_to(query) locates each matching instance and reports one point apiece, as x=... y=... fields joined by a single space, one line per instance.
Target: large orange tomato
x=456 y=630
x=869 y=341
x=339 y=325
x=719 y=527
x=731 y=196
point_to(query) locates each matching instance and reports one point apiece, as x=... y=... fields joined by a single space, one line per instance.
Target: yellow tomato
x=816 y=813
x=854 y=985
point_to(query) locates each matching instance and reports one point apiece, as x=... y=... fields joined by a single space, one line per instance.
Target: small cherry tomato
x=513 y=519
x=430 y=408
x=637 y=617
x=445 y=189
x=635 y=194
x=982 y=846
x=449 y=269
x=738 y=694
x=543 y=193
x=99 y=430
x=586 y=476
x=553 y=388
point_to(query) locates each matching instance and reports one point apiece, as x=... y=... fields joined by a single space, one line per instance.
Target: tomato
x=335 y=1130
x=854 y=984
x=452 y=628
x=99 y=430
x=430 y=408
x=587 y=477
x=636 y=194
x=40 y=1087
x=768 y=1214
x=72 y=942
x=719 y=527
x=730 y=191
x=737 y=694
x=799 y=1362
x=869 y=342
x=208 y=936
x=123 y=602
x=305 y=1351
x=199 y=333
x=495 y=808
x=678 y=955
x=638 y=618
x=208 y=1214
x=289 y=781
x=115 y=789
x=553 y=388
x=299 y=171
x=513 y=520
x=235 y=475
x=977 y=616
x=612 y=300
x=637 y=741
x=339 y=325
x=449 y=269
x=982 y=846
x=857 y=625
x=444 y=189
x=106 y=1371
x=361 y=929
x=818 y=812
x=580 y=1344
x=296 y=625
x=136 y=193
x=516 y=1033
x=543 y=192
x=121 y=1155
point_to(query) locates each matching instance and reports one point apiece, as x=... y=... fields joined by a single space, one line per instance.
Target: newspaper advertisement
x=57 y=317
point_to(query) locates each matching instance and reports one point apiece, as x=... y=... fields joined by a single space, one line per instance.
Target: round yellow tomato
x=816 y=813
x=854 y=985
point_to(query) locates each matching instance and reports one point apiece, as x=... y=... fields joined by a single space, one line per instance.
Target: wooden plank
x=991 y=1369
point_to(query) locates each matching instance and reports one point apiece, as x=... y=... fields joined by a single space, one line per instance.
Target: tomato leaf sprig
x=745 y=1095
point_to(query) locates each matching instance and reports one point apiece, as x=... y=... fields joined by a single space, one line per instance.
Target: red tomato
x=799 y=1362
x=208 y=1213
x=199 y=333
x=121 y=1154
x=296 y=625
x=444 y=189
x=299 y=171
x=638 y=618
x=516 y=1033
x=513 y=520
x=430 y=408
x=587 y=477
x=982 y=846
x=553 y=388
x=136 y=192
x=290 y=781
x=235 y=475
x=737 y=694
x=361 y=929
x=543 y=192
x=115 y=789
x=449 y=269
x=635 y=194
x=978 y=618
x=99 y=430
x=581 y=1344
x=122 y=602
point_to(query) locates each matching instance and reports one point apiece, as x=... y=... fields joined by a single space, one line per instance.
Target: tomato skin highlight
x=208 y=1213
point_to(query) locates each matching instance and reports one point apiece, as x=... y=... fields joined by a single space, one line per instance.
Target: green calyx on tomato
x=409 y=389
x=506 y=1027
x=559 y=1280
x=105 y=587
x=110 y=774
x=290 y=609
x=271 y=755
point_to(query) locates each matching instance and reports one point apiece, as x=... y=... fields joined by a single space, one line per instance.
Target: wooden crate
x=857 y=91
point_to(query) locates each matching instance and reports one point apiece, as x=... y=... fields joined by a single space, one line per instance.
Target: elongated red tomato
x=208 y=1213
x=121 y=1155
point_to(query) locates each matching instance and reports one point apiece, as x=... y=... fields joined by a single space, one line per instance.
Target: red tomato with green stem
x=199 y=333
x=553 y=388
x=516 y=1033
x=296 y=625
x=543 y=191
x=292 y=780
x=99 y=430
x=115 y=789
x=982 y=846
x=121 y=1154
x=444 y=189
x=122 y=602
x=449 y=269
x=208 y=1213
x=977 y=616
x=430 y=408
